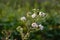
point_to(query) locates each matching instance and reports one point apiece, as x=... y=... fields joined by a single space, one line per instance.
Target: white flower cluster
x=41 y=27
x=23 y=18
x=35 y=25
x=42 y=14
x=33 y=15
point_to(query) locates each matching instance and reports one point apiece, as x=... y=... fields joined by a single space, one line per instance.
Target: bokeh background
x=12 y=10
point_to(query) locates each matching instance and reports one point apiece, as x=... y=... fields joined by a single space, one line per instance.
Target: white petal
x=41 y=27
x=42 y=14
x=23 y=18
x=34 y=25
x=33 y=15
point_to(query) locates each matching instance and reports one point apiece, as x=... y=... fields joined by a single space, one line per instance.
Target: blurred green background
x=12 y=10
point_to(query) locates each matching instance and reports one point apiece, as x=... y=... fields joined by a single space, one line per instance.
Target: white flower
x=33 y=15
x=34 y=25
x=41 y=27
x=23 y=18
x=42 y=14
